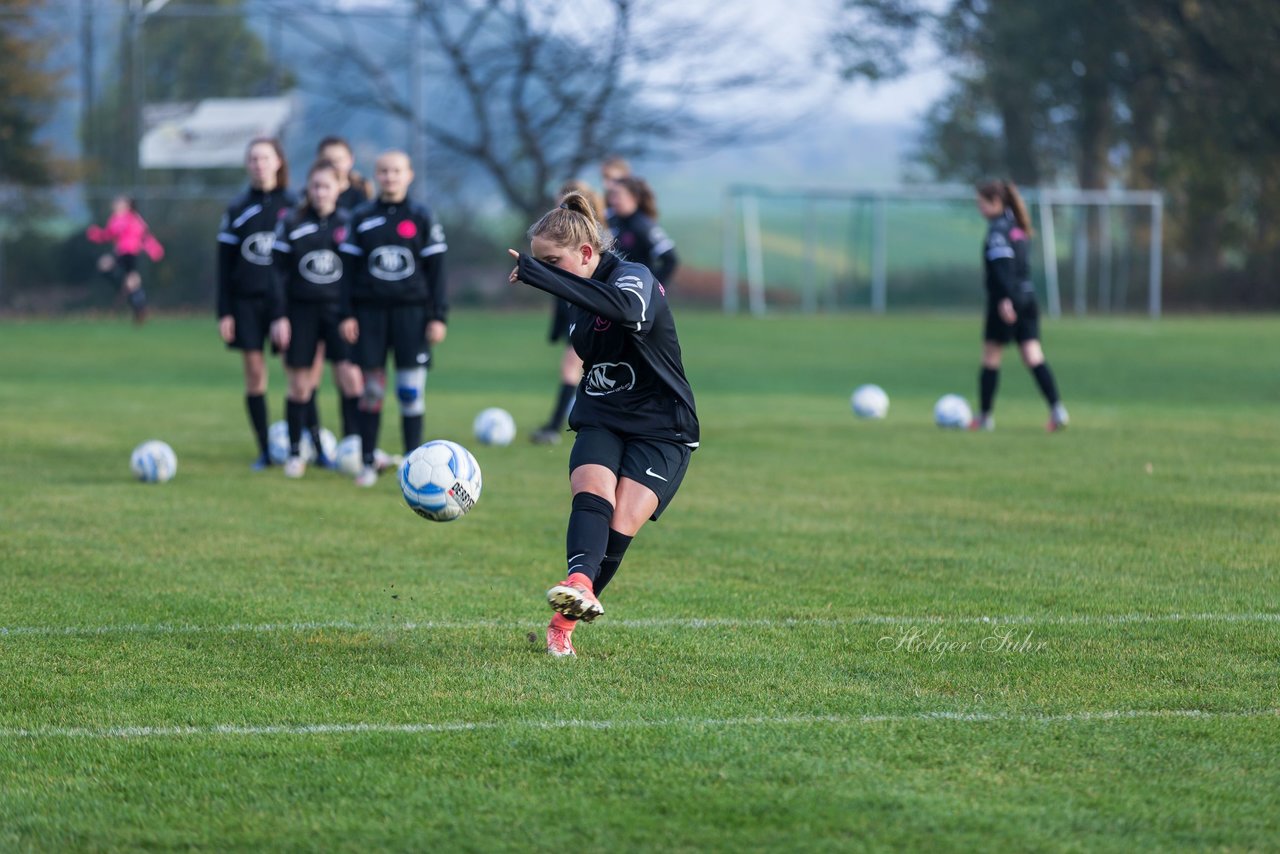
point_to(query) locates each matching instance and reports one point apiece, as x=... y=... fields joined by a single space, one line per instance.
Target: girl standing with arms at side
x=246 y=276
x=1012 y=313
x=635 y=417
x=305 y=314
x=393 y=300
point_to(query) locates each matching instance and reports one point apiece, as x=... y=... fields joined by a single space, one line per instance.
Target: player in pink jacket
x=128 y=234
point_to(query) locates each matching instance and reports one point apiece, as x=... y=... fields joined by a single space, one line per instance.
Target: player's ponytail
x=1007 y=194
x=572 y=223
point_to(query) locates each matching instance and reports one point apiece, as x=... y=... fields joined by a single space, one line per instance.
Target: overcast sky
x=806 y=24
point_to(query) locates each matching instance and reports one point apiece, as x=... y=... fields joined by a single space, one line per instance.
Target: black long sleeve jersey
x=307 y=263
x=246 y=236
x=393 y=254
x=1006 y=259
x=640 y=239
x=633 y=380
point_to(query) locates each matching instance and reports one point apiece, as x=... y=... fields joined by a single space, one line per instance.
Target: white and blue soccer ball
x=328 y=443
x=440 y=480
x=349 y=455
x=494 y=426
x=278 y=443
x=869 y=401
x=952 y=412
x=153 y=462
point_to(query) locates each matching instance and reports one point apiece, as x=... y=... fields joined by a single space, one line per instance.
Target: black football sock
x=138 y=300
x=350 y=415
x=564 y=400
x=369 y=424
x=296 y=414
x=257 y=406
x=613 y=553
x=1044 y=379
x=588 y=534
x=313 y=423
x=988 y=382
x=411 y=431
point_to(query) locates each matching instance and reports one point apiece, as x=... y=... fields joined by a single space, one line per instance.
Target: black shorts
x=402 y=329
x=310 y=323
x=561 y=315
x=658 y=464
x=253 y=323
x=127 y=264
x=1025 y=328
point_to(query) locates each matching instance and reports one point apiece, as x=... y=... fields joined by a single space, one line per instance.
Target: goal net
x=920 y=248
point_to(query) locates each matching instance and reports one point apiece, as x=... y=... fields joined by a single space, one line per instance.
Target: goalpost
x=936 y=235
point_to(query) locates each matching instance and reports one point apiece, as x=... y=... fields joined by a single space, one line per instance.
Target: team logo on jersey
x=391 y=263
x=321 y=267
x=407 y=229
x=602 y=325
x=256 y=248
x=610 y=378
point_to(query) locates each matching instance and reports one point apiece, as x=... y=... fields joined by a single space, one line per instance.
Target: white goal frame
x=742 y=203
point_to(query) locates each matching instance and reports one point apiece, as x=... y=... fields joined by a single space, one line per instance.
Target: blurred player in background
x=633 y=218
x=635 y=418
x=570 y=363
x=393 y=299
x=1012 y=313
x=128 y=234
x=353 y=189
x=613 y=169
x=305 y=312
x=246 y=278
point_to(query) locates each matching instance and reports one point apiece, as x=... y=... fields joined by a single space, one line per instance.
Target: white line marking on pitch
x=641 y=623
x=712 y=723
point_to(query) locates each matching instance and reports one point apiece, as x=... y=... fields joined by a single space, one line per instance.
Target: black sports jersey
x=1005 y=255
x=306 y=258
x=633 y=380
x=394 y=254
x=638 y=238
x=245 y=239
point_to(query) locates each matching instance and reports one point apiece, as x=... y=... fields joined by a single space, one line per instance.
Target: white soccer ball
x=349 y=455
x=153 y=462
x=495 y=426
x=870 y=401
x=440 y=480
x=952 y=412
x=328 y=443
x=278 y=443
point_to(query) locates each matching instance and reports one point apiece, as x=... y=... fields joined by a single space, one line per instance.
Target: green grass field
x=804 y=654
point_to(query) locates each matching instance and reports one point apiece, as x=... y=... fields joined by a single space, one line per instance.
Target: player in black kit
x=393 y=298
x=353 y=189
x=635 y=418
x=246 y=279
x=1012 y=313
x=561 y=312
x=305 y=311
x=633 y=218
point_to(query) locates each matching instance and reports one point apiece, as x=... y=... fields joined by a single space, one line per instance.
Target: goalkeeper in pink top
x=128 y=234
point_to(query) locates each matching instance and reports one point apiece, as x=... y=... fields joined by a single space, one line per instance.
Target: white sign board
x=210 y=134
